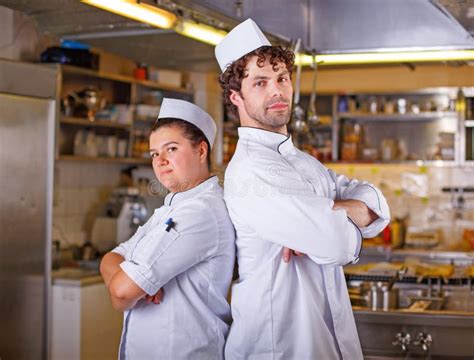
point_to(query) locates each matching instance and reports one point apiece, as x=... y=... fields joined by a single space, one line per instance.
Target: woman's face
x=177 y=164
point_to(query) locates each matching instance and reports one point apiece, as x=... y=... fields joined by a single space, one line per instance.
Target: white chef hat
x=184 y=110
x=244 y=38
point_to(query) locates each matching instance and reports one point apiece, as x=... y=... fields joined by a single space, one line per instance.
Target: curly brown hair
x=231 y=78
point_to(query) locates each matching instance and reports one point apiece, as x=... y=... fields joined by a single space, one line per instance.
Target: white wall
x=20 y=38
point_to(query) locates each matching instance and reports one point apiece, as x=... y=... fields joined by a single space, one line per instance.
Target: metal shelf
x=96 y=123
x=423 y=116
x=68 y=69
x=432 y=163
x=74 y=158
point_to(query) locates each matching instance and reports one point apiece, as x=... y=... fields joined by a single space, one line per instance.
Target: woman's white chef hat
x=244 y=38
x=184 y=110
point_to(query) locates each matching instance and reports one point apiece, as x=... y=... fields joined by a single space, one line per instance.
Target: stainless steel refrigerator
x=27 y=125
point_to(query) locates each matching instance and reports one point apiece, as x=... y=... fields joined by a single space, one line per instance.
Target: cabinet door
x=101 y=325
x=84 y=324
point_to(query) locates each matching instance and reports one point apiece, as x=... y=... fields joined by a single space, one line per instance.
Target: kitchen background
x=407 y=128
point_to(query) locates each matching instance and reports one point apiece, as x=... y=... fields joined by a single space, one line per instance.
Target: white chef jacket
x=193 y=263
x=279 y=196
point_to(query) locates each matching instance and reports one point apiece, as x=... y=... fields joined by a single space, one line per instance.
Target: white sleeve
x=270 y=199
x=367 y=193
x=165 y=252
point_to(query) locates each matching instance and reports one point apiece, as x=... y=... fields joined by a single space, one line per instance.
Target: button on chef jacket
x=193 y=263
x=279 y=196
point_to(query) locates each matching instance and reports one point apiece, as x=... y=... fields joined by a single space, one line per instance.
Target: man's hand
x=156 y=299
x=288 y=252
x=357 y=211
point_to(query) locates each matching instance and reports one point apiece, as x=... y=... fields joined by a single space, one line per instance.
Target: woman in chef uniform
x=171 y=278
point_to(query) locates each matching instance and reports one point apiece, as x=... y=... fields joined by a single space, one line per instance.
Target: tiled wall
x=82 y=188
x=415 y=191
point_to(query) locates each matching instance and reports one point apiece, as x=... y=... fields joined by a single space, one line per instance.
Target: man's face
x=265 y=96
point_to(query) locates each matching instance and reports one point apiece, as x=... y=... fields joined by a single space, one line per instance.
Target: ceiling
x=322 y=25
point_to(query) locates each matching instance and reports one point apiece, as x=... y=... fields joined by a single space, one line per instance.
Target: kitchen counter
x=458 y=314
x=76 y=277
x=442 y=334
x=408 y=333
x=83 y=323
x=382 y=253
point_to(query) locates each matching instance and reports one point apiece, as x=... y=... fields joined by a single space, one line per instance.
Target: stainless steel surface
x=457 y=297
x=380 y=253
x=298 y=122
x=344 y=25
x=439 y=326
x=26 y=180
x=313 y=118
x=35 y=80
x=459 y=300
x=325 y=26
x=462 y=11
x=451 y=334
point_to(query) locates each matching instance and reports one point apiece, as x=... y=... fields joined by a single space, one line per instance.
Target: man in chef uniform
x=280 y=198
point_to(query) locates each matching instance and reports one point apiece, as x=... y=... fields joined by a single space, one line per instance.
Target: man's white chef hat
x=184 y=110
x=241 y=40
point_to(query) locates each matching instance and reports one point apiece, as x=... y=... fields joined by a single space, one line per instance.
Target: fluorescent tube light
x=137 y=11
x=388 y=57
x=200 y=32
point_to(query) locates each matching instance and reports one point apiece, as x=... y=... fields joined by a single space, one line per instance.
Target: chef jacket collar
x=283 y=144
x=208 y=186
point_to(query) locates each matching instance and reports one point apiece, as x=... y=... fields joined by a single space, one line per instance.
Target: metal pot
x=379 y=296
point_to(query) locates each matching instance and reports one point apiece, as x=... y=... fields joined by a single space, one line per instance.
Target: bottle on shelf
x=140 y=145
x=351 y=142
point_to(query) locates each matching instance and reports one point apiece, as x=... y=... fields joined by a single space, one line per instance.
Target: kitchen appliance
x=27 y=125
x=298 y=122
x=313 y=118
x=78 y=57
x=85 y=103
x=124 y=212
x=431 y=322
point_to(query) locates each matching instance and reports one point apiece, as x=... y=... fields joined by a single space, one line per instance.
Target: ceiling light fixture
x=204 y=33
x=137 y=11
x=388 y=57
x=155 y=16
